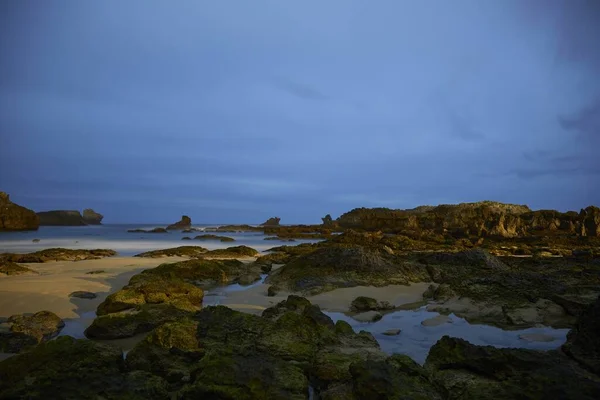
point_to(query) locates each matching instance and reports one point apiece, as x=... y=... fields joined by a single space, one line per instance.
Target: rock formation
x=273 y=221
x=91 y=217
x=24 y=331
x=482 y=219
x=13 y=217
x=184 y=223
x=61 y=218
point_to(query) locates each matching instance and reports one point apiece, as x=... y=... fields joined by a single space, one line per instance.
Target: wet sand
x=255 y=299
x=57 y=279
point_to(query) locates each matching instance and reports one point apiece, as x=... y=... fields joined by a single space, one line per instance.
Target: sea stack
x=185 y=223
x=273 y=221
x=13 y=217
x=91 y=217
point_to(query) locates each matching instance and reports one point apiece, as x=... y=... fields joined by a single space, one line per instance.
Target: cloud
x=586 y=121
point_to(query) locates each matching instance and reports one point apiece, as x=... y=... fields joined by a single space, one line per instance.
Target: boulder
x=184 y=223
x=590 y=221
x=91 y=217
x=21 y=332
x=273 y=221
x=466 y=371
x=363 y=303
x=61 y=218
x=14 y=217
x=273 y=290
x=368 y=316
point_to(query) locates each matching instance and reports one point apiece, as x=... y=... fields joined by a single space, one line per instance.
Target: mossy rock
x=181 y=251
x=214 y=237
x=250 y=375
x=10 y=268
x=477 y=372
x=132 y=322
x=231 y=253
x=58 y=254
x=67 y=368
x=170 y=351
x=21 y=332
x=154 y=290
x=362 y=303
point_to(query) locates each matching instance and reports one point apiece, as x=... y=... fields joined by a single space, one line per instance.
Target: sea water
x=117 y=238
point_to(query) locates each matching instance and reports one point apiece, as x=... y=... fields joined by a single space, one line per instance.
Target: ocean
x=116 y=237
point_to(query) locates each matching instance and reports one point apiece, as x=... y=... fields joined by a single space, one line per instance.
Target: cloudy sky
x=234 y=111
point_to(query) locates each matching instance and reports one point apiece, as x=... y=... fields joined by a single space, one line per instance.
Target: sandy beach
x=56 y=280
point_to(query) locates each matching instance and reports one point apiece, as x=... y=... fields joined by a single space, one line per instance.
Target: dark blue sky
x=234 y=111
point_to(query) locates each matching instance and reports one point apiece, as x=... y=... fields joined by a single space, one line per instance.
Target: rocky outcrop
x=14 y=217
x=154 y=230
x=466 y=371
x=61 y=218
x=590 y=221
x=21 y=332
x=181 y=251
x=67 y=368
x=91 y=217
x=9 y=268
x=214 y=237
x=482 y=219
x=362 y=303
x=163 y=294
x=184 y=223
x=273 y=221
x=583 y=342
x=58 y=254
x=233 y=252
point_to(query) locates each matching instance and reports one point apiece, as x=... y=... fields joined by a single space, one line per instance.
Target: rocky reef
x=154 y=230
x=214 y=237
x=14 y=217
x=9 y=268
x=91 y=217
x=184 y=223
x=291 y=350
x=57 y=254
x=181 y=251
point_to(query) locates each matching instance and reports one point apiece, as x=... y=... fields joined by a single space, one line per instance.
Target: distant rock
x=36 y=240
x=273 y=221
x=392 y=332
x=155 y=230
x=327 y=220
x=208 y=236
x=91 y=217
x=61 y=218
x=57 y=254
x=184 y=223
x=21 y=332
x=13 y=217
x=590 y=221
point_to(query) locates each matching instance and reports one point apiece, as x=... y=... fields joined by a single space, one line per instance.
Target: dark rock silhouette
x=14 y=217
x=184 y=223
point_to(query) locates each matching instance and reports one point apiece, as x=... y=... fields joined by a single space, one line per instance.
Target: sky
x=236 y=111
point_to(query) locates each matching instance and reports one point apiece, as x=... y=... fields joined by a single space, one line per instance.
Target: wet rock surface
x=21 y=332
x=57 y=254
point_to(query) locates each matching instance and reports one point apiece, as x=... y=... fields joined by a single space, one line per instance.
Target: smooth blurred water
x=117 y=238
x=415 y=340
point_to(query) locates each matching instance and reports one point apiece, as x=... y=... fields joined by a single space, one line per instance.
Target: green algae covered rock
x=58 y=254
x=9 y=268
x=344 y=265
x=20 y=332
x=231 y=253
x=362 y=303
x=135 y=321
x=214 y=237
x=249 y=375
x=467 y=371
x=181 y=251
x=67 y=368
